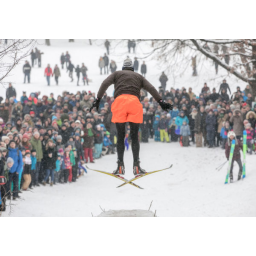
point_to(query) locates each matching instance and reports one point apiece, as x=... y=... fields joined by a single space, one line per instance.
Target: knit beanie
x=10 y=160
x=59 y=137
x=128 y=63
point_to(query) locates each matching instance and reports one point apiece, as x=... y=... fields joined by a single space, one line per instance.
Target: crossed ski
x=131 y=180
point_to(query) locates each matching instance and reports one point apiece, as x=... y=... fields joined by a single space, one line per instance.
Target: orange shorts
x=127 y=108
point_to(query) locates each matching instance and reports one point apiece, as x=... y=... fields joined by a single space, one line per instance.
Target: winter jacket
x=10 y=92
x=143 y=69
x=62 y=59
x=128 y=82
x=156 y=125
x=67 y=162
x=98 y=137
x=58 y=165
x=200 y=123
x=23 y=99
x=16 y=155
x=163 y=79
x=56 y=71
x=113 y=67
x=252 y=121
x=48 y=71
x=224 y=97
x=163 y=124
x=224 y=86
x=250 y=134
x=84 y=69
x=106 y=60
x=26 y=69
x=210 y=122
x=71 y=67
x=179 y=121
x=79 y=149
x=106 y=141
x=238 y=146
x=185 y=130
x=238 y=125
x=101 y=63
x=220 y=121
x=136 y=65
x=88 y=140
x=37 y=145
x=50 y=162
x=174 y=113
x=33 y=162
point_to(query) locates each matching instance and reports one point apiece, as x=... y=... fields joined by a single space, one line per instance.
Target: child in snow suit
x=250 y=136
x=68 y=166
x=155 y=127
x=62 y=166
x=58 y=168
x=88 y=142
x=173 y=127
x=33 y=165
x=27 y=170
x=236 y=155
x=163 y=126
x=107 y=144
x=224 y=133
x=185 y=133
x=98 y=142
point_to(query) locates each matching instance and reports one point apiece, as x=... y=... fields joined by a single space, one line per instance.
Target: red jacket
x=48 y=71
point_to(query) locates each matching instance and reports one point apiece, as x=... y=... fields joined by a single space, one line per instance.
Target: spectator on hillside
x=136 y=64
x=205 y=88
x=143 y=69
x=10 y=91
x=48 y=73
x=84 y=74
x=70 y=68
x=225 y=86
x=26 y=71
x=101 y=64
x=67 y=59
x=113 y=66
x=78 y=71
x=62 y=60
x=163 y=80
x=107 y=45
x=33 y=57
x=56 y=73
x=106 y=63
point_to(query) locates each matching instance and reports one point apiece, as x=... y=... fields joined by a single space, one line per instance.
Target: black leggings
x=135 y=140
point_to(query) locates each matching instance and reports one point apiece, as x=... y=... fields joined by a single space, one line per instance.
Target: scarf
x=90 y=133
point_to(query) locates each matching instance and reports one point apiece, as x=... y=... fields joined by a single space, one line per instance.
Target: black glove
x=165 y=106
x=95 y=104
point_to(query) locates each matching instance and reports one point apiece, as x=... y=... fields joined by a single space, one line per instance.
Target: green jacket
x=37 y=145
x=72 y=158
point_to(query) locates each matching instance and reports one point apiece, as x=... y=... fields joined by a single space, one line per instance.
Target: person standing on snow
x=143 y=69
x=225 y=86
x=26 y=71
x=106 y=62
x=56 y=73
x=48 y=73
x=78 y=71
x=70 y=68
x=107 y=45
x=101 y=64
x=127 y=108
x=84 y=69
x=62 y=60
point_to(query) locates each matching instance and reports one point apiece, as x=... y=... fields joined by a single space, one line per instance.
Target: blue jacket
x=58 y=165
x=179 y=121
x=174 y=113
x=23 y=98
x=16 y=155
x=156 y=124
x=33 y=162
x=185 y=130
x=210 y=122
x=107 y=142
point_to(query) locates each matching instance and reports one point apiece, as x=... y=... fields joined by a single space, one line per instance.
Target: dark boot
x=137 y=170
x=239 y=176
x=120 y=168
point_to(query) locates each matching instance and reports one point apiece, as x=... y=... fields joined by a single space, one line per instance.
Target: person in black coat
x=210 y=127
x=71 y=68
x=225 y=86
x=67 y=59
x=214 y=96
x=10 y=92
x=62 y=60
x=106 y=60
x=50 y=163
x=163 y=80
x=136 y=65
x=33 y=57
x=78 y=71
x=112 y=66
x=64 y=134
x=79 y=148
x=224 y=96
x=29 y=107
x=143 y=69
x=26 y=71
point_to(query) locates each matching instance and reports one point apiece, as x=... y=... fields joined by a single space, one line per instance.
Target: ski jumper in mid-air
x=127 y=108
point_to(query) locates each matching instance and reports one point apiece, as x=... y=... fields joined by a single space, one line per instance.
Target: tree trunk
x=71 y=40
x=90 y=41
x=253 y=84
x=47 y=42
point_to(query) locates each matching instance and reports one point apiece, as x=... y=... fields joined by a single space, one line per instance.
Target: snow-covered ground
x=192 y=187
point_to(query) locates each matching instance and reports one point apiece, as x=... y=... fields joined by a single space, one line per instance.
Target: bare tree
x=176 y=53
x=12 y=53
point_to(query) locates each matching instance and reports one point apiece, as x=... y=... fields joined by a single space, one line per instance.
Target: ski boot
x=137 y=170
x=120 y=168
